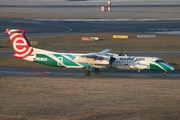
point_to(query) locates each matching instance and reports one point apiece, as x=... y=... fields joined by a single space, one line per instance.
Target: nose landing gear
x=165 y=73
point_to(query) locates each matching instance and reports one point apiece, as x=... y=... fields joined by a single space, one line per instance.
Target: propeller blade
x=112 y=59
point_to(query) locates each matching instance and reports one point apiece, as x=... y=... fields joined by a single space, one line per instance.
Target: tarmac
x=52 y=27
x=80 y=73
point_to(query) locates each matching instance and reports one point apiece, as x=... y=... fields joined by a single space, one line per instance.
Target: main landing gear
x=96 y=70
x=88 y=70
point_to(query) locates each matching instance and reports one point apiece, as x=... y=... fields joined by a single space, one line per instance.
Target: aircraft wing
x=104 y=51
x=92 y=55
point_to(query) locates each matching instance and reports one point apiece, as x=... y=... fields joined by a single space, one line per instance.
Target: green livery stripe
x=67 y=62
x=159 y=66
x=155 y=67
x=46 y=60
x=165 y=66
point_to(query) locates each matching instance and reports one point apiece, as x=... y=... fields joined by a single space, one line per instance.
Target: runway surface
x=80 y=73
x=45 y=27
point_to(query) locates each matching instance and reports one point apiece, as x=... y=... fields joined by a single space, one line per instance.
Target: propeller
x=112 y=59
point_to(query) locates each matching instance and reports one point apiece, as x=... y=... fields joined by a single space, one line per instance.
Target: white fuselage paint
x=131 y=62
x=121 y=62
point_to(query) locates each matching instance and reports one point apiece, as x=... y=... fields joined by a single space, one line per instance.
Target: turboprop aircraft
x=96 y=61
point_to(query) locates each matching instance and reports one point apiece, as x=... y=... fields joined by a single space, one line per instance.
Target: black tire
x=165 y=73
x=96 y=70
x=87 y=73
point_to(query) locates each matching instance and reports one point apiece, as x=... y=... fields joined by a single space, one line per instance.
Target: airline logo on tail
x=21 y=46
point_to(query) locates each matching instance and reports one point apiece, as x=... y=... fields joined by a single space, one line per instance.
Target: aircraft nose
x=172 y=68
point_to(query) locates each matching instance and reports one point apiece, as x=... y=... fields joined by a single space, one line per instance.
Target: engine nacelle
x=102 y=60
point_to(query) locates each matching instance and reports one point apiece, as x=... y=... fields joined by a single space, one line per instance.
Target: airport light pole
x=109 y=5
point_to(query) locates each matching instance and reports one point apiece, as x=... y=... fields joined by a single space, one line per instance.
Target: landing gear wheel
x=96 y=70
x=165 y=73
x=87 y=73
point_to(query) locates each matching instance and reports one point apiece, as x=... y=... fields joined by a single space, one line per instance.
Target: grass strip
x=71 y=43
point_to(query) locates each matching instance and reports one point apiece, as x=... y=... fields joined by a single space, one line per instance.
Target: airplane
x=100 y=60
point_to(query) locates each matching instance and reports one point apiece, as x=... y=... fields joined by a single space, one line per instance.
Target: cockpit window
x=162 y=61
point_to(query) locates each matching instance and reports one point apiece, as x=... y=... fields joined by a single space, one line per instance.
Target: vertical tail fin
x=21 y=46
